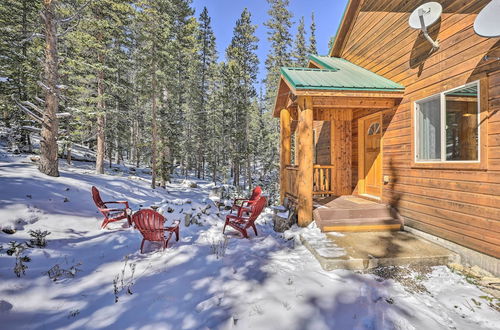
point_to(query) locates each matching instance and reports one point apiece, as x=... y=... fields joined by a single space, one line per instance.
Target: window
x=447 y=126
x=374 y=129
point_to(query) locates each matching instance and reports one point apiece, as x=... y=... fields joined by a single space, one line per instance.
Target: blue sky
x=224 y=14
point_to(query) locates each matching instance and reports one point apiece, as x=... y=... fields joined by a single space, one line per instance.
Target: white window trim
x=442 y=99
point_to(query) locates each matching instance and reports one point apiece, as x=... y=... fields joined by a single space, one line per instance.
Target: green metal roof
x=338 y=74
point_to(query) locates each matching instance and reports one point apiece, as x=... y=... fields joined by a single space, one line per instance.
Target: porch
x=332 y=96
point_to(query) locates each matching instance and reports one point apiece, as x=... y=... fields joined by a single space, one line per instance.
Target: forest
x=140 y=82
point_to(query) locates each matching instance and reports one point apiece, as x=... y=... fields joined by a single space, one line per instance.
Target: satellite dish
x=487 y=21
x=423 y=17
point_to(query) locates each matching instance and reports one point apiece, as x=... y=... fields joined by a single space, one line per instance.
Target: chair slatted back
x=150 y=223
x=256 y=192
x=257 y=208
x=97 y=198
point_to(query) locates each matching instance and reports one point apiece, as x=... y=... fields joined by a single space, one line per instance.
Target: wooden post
x=341 y=151
x=285 y=145
x=305 y=160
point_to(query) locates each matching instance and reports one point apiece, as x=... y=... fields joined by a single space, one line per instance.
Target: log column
x=341 y=151
x=285 y=145
x=305 y=160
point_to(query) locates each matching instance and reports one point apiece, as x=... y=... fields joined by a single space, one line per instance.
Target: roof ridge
x=308 y=69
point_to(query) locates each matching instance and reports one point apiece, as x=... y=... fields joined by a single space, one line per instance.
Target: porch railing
x=291 y=179
x=322 y=179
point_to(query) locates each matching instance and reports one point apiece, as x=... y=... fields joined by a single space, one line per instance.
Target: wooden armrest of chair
x=118 y=202
x=114 y=210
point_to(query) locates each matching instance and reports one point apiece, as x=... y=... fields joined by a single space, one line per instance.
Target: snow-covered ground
x=266 y=282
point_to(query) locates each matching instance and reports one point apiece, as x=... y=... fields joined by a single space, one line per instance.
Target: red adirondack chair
x=245 y=204
x=110 y=215
x=241 y=222
x=151 y=224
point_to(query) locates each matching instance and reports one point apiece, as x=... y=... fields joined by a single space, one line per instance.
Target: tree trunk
x=163 y=170
x=117 y=150
x=28 y=141
x=154 y=127
x=101 y=119
x=133 y=144
x=214 y=173
x=48 y=144
x=68 y=153
x=110 y=154
x=169 y=161
x=249 y=172
x=203 y=168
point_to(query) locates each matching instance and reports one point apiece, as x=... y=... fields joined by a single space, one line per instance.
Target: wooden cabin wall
x=460 y=205
x=322 y=142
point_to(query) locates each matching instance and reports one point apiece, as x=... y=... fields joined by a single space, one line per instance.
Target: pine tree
x=300 y=50
x=331 y=42
x=152 y=29
x=177 y=131
x=21 y=46
x=93 y=51
x=242 y=67
x=48 y=144
x=279 y=25
x=215 y=133
x=313 y=49
x=206 y=59
x=279 y=35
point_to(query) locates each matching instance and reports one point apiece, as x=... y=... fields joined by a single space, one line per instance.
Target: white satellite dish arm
x=423 y=27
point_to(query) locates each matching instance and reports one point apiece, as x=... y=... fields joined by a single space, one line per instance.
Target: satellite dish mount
x=423 y=17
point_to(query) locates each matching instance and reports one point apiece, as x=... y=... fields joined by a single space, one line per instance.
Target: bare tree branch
x=26 y=110
x=32 y=36
x=42 y=101
x=33 y=106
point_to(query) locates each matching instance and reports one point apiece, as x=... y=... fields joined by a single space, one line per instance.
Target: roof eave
x=367 y=89
x=345 y=27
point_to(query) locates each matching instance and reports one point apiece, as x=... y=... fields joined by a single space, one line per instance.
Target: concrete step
x=359 y=221
x=331 y=213
x=360 y=224
x=361 y=251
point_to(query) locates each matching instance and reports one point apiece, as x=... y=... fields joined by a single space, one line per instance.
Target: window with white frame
x=447 y=126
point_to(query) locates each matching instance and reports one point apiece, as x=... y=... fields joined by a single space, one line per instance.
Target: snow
x=204 y=281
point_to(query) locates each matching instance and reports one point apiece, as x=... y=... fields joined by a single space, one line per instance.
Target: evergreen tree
x=279 y=25
x=216 y=123
x=242 y=67
x=21 y=47
x=94 y=48
x=279 y=35
x=50 y=126
x=331 y=42
x=313 y=49
x=206 y=59
x=143 y=86
x=300 y=50
x=177 y=130
x=152 y=30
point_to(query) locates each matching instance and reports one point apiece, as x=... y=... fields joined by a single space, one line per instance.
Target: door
x=371 y=155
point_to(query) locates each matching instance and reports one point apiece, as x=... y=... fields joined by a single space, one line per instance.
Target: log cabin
x=388 y=130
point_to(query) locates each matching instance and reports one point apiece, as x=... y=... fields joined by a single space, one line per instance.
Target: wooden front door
x=371 y=155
